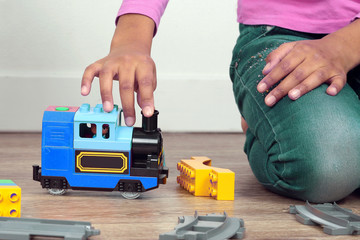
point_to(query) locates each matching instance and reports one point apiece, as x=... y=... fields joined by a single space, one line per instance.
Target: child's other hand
x=130 y=63
x=304 y=65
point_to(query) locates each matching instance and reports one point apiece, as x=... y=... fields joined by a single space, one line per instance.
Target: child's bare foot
x=244 y=125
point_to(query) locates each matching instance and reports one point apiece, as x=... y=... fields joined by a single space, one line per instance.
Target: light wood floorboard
x=265 y=214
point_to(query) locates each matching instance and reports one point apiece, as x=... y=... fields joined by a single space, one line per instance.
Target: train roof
x=64 y=114
x=96 y=114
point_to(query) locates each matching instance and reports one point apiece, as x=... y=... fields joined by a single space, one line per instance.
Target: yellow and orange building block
x=10 y=199
x=201 y=179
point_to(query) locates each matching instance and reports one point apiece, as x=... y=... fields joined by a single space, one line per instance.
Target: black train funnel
x=149 y=124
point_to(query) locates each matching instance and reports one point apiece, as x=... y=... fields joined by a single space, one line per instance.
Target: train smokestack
x=149 y=124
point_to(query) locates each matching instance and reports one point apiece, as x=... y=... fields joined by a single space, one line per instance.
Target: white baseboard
x=188 y=104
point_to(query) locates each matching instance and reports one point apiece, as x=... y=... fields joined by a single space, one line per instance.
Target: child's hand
x=305 y=65
x=130 y=63
x=135 y=72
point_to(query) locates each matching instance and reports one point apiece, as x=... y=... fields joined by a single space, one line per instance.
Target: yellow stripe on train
x=103 y=155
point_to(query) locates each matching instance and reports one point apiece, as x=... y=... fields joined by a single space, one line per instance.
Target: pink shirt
x=313 y=16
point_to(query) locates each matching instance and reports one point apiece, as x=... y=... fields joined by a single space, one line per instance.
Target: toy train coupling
x=36 y=173
x=86 y=148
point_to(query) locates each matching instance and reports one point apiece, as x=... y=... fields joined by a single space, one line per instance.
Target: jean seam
x=269 y=183
x=269 y=122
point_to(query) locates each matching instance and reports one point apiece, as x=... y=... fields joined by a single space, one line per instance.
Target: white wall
x=46 y=44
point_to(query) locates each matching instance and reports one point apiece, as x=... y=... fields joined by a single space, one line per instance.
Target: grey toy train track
x=25 y=228
x=210 y=227
x=334 y=219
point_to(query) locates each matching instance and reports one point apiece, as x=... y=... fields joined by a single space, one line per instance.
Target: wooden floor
x=265 y=214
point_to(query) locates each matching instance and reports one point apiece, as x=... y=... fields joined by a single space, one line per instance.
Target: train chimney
x=149 y=124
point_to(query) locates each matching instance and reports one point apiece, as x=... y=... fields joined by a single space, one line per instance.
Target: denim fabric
x=307 y=149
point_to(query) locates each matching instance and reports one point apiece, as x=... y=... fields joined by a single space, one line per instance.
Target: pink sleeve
x=154 y=9
x=357 y=16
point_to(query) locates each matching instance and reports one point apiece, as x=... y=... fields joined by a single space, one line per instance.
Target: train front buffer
x=87 y=149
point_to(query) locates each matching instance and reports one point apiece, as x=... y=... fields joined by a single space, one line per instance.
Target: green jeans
x=307 y=149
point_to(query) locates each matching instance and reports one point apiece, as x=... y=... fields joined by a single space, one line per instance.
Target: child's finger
x=106 y=80
x=313 y=81
x=289 y=64
x=336 y=84
x=90 y=72
x=126 y=88
x=303 y=79
x=146 y=81
x=276 y=56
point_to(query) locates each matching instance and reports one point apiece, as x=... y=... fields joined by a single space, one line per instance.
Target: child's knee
x=333 y=179
x=320 y=178
x=314 y=157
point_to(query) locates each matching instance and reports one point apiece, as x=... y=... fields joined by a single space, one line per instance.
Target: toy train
x=85 y=148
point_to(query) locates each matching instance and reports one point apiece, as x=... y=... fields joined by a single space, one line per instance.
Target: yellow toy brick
x=222 y=184
x=199 y=178
x=10 y=199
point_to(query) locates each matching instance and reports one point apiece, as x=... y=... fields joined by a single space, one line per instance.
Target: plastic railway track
x=26 y=228
x=210 y=227
x=334 y=219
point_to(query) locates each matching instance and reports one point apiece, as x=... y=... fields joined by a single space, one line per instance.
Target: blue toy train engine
x=87 y=149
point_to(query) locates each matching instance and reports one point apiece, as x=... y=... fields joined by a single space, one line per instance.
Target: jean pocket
x=248 y=34
x=252 y=33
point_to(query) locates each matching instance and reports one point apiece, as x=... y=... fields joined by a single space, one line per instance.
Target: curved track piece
x=27 y=228
x=334 y=219
x=211 y=227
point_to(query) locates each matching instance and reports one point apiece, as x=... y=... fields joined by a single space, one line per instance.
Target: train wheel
x=130 y=195
x=57 y=191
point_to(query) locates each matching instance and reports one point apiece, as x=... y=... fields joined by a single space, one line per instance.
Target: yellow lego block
x=199 y=178
x=10 y=199
x=222 y=184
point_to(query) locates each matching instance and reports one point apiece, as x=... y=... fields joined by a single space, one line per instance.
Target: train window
x=87 y=130
x=105 y=131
